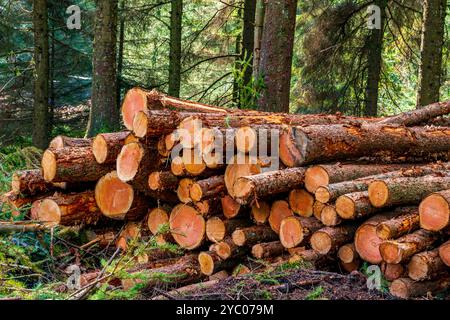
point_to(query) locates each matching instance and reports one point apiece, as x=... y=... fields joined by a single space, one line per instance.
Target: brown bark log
x=239 y=168
x=347 y=253
x=18 y=204
x=391 y=271
x=418 y=116
x=211 y=263
x=310 y=257
x=399 y=226
x=218 y=228
x=301 y=202
x=331 y=192
x=106 y=147
x=402 y=191
x=253 y=235
x=207 y=188
x=401 y=249
x=434 y=211
x=329 y=239
x=162 y=181
x=407 y=288
x=61 y=142
x=251 y=188
x=226 y=249
x=31 y=182
x=317 y=209
x=117 y=199
x=279 y=211
x=323 y=175
x=329 y=216
x=72 y=165
x=183 y=190
x=187 y=226
x=304 y=145
x=69 y=209
x=355 y=205
x=267 y=250
x=209 y=207
x=444 y=253
x=231 y=209
x=260 y=212
x=426 y=265
x=297 y=230
x=367 y=242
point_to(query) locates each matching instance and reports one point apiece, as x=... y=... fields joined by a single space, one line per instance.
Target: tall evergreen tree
x=176 y=17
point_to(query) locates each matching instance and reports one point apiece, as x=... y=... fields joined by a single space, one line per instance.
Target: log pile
x=330 y=190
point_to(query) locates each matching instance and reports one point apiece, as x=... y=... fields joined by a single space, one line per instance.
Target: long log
x=72 y=164
x=117 y=199
x=267 y=250
x=218 y=228
x=18 y=204
x=399 y=226
x=434 y=211
x=211 y=263
x=331 y=192
x=407 y=288
x=251 y=188
x=31 y=183
x=207 y=188
x=187 y=226
x=69 y=209
x=162 y=181
x=419 y=115
x=297 y=230
x=60 y=142
x=279 y=211
x=323 y=175
x=253 y=235
x=401 y=191
x=426 y=265
x=444 y=253
x=304 y=145
x=328 y=240
x=401 y=249
x=226 y=249
x=107 y=146
x=354 y=206
x=366 y=240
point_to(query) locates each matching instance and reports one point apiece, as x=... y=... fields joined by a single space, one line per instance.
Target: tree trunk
x=17 y=204
x=72 y=165
x=430 y=72
x=161 y=181
x=374 y=46
x=106 y=147
x=407 y=288
x=208 y=188
x=259 y=26
x=401 y=249
x=120 y=49
x=176 y=17
x=60 y=142
x=420 y=116
x=329 y=239
x=253 y=235
x=355 y=205
x=31 y=182
x=426 y=265
x=297 y=230
x=304 y=145
x=41 y=114
x=249 y=189
x=217 y=228
x=402 y=191
x=399 y=226
x=248 y=38
x=104 y=113
x=267 y=250
x=434 y=211
x=276 y=54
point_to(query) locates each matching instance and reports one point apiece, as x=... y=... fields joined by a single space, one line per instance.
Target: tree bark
x=208 y=188
x=426 y=265
x=355 y=205
x=296 y=230
x=430 y=72
x=31 y=182
x=444 y=253
x=419 y=116
x=60 y=142
x=276 y=54
x=41 y=114
x=407 y=288
x=176 y=17
x=329 y=239
x=374 y=62
x=104 y=113
x=402 y=191
x=249 y=189
x=259 y=26
x=106 y=147
x=248 y=38
x=253 y=235
x=267 y=250
x=304 y=145
x=399 y=226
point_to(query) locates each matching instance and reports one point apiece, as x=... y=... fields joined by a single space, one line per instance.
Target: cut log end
x=378 y=193
x=260 y=212
x=347 y=253
x=392 y=271
x=223 y=250
x=235 y=171
x=238 y=237
x=391 y=253
x=399 y=288
x=289 y=153
x=196 y=192
x=243 y=188
x=154 y=181
x=434 y=212
x=444 y=253
x=291 y=232
x=113 y=196
x=345 y=207
x=140 y=124
x=129 y=160
x=183 y=190
x=177 y=166
x=49 y=213
x=321 y=242
x=48 y=165
x=100 y=149
x=367 y=243
x=322 y=195
x=156 y=219
x=301 y=202
x=206 y=262
x=134 y=102
x=193 y=162
x=230 y=207
x=316 y=177
x=279 y=211
x=215 y=229
x=383 y=231
x=246 y=139
x=187 y=226
x=418 y=268
x=329 y=216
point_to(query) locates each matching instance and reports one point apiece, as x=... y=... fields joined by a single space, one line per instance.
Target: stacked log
x=170 y=178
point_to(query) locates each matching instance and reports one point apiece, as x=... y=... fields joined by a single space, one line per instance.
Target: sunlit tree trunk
x=248 y=37
x=120 y=53
x=176 y=18
x=104 y=115
x=430 y=73
x=41 y=114
x=259 y=25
